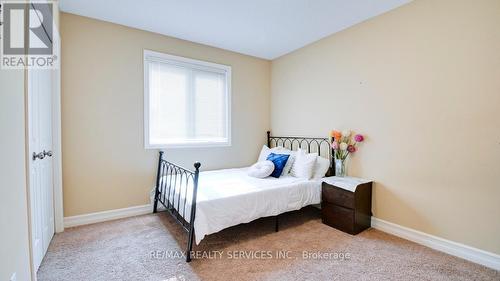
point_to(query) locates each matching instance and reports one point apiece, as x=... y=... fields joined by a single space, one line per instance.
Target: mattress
x=229 y=197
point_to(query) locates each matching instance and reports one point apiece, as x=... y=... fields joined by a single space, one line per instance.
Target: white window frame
x=191 y=63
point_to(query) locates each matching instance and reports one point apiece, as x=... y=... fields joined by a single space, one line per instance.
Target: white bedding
x=230 y=197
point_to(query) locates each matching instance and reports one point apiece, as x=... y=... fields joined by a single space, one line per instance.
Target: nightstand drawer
x=334 y=195
x=339 y=217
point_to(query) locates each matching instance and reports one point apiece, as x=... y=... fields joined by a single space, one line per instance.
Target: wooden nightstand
x=346 y=203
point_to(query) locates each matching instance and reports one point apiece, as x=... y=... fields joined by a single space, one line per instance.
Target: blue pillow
x=279 y=161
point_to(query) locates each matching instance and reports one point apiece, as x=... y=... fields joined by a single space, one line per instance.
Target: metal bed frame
x=172 y=177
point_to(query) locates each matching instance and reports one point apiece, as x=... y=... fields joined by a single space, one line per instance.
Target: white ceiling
x=262 y=28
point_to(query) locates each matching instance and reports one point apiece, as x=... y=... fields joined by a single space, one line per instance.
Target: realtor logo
x=27 y=34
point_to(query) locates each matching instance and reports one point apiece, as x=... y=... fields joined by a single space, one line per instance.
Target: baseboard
x=472 y=254
x=107 y=215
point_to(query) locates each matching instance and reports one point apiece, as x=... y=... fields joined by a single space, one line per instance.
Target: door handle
x=40 y=155
x=47 y=153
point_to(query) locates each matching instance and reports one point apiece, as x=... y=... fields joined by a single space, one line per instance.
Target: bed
x=207 y=202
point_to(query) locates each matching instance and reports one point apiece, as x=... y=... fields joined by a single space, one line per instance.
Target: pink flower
x=351 y=148
x=335 y=145
x=359 y=138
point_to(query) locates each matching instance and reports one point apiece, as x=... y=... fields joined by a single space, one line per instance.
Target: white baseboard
x=107 y=215
x=485 y=258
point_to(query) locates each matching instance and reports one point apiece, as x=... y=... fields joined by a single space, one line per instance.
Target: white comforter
x=230 y=197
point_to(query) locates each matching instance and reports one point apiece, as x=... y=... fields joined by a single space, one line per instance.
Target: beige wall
x=14 y=239
x=423 y=83
x=105 y=165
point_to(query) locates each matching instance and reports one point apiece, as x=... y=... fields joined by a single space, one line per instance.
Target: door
x=40 y=87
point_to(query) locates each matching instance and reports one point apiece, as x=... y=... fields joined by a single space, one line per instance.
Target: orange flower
x=336 y=135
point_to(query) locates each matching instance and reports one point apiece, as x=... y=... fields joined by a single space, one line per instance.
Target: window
x=186 y=102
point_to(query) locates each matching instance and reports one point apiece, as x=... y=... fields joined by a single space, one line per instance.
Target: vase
x=340 y=167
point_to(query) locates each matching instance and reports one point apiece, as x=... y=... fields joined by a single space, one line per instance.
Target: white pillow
x=321 y=167
x=261 y=169
x=303 y=167
x=265 y=151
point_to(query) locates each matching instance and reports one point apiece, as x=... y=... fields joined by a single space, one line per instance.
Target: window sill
x=188 y=145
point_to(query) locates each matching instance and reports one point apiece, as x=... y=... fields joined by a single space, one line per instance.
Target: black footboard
x=176 y=189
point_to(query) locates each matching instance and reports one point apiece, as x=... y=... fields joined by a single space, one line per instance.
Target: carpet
x=150 y=247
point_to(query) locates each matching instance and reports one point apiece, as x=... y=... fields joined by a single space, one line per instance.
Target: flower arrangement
x=343 y=144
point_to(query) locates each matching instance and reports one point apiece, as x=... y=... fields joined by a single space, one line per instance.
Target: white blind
x=188 y=104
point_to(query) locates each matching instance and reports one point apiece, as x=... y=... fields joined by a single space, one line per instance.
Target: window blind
x=188 y=104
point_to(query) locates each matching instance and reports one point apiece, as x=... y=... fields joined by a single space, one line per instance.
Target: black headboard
x=311 y=144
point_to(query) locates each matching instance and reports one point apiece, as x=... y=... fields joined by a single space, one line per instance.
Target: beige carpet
x=137 y=248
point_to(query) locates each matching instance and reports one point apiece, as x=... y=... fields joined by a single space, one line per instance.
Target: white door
x=40 y=87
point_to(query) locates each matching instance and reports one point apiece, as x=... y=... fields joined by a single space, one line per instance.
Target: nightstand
x=346 y=203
